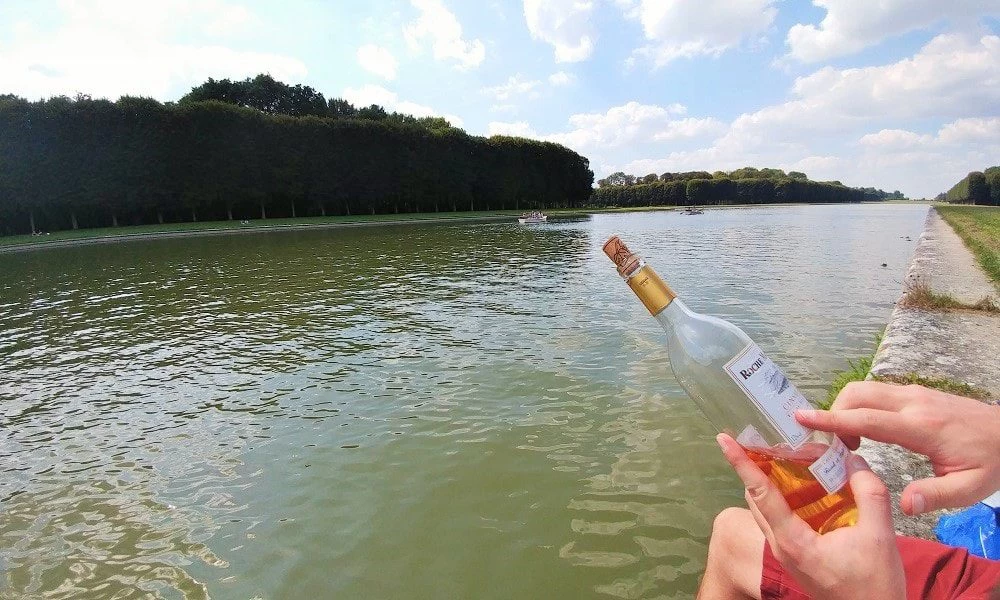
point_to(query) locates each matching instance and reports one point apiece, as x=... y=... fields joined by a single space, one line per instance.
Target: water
x=422 y=411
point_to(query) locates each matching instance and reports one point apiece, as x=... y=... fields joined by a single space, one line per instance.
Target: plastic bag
x=976 y=528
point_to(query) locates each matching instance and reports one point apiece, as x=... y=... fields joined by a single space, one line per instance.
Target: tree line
x=748 y=185
x=978 y=187
x=258 y=148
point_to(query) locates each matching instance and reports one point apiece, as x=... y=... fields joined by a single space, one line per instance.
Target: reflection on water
x=428 y=411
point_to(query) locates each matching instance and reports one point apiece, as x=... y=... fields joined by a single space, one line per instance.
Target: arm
x=961 y=437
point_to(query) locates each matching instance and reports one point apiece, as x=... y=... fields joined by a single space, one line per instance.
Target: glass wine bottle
x=743 y=393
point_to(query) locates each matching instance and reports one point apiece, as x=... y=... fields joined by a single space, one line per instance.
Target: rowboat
x=532 y=217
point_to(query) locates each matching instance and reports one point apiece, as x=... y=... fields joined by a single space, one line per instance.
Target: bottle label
x=830 y=470
x=768 y=388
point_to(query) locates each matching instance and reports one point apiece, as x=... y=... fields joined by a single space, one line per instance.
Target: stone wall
x=960 y=345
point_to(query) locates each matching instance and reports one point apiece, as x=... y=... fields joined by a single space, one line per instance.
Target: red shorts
x=933 y=571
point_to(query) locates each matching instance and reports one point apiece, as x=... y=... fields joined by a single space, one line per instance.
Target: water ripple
x=424 y=411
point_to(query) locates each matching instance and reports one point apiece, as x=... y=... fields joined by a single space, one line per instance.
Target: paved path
x=942 y=261
x=959 y=345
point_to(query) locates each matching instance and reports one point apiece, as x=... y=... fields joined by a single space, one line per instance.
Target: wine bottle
x=743 y=393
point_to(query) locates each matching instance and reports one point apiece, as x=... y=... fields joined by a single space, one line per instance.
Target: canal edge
x=960 y=346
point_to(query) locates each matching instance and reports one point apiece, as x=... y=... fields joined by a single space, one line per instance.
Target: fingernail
x=718 y=440
x=805 y=415
x=918 y=504
x=756 y=492
x=857 y=463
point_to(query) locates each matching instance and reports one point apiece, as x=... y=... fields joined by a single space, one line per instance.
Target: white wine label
x=775 y=396
x=830 y=470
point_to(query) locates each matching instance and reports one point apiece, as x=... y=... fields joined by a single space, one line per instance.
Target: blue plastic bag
x=976 y=528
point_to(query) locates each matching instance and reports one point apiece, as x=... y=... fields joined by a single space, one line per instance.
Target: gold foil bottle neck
x=647 y=285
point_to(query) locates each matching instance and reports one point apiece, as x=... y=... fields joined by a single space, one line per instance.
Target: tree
x=978 y=189
x=263 y=93
x=618 y=178
x=82 y=162
x=372 y=113
x=699 y=187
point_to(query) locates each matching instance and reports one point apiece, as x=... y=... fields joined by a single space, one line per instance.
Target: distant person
x=769 y=552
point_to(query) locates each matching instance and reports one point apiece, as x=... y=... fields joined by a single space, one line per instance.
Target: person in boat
x=769 y=552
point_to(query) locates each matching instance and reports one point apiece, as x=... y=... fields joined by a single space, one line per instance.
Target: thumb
x=871 y=495
x=953 y=490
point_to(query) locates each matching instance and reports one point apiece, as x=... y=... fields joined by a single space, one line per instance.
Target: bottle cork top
x=624 y=259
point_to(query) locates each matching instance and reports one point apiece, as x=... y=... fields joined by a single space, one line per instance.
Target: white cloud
x=561 y=78
x=565 y=24
x=851 y=25
x=689 y=128
x=377 y=60
x=517 y=129
x=895 y=139
x=921 y=165
x=853 y=125
x=684 y=29
x=949 y=78
x=633 y=123
x=440 y=26
x=924 y=165
x=620 y=127
x=111 y=48
x=367 y=95
x=965 y=131
x=957 y=133
x=820 y=168
x=515 y=86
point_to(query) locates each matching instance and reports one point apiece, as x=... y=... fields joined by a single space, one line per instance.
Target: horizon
x=897 y=97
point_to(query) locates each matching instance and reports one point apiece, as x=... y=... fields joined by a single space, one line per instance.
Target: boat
x=694 y=211
x=532 y=217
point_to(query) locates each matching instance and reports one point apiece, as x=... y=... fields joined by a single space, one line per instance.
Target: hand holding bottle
x=960 y=436
x=745 y=394
x=861 y=561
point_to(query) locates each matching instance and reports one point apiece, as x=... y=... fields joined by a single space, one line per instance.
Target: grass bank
x=979 y=228
x=204 y=227
x=70 y=237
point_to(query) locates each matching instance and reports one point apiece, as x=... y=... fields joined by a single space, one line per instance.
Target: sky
x=896 y=94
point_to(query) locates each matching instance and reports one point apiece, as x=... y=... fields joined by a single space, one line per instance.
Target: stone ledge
x=963 y=346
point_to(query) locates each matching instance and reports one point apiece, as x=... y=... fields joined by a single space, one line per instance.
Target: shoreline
x=210 y=231
x=406 y=219
x=958 y=346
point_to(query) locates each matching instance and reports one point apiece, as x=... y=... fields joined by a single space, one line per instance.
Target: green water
x=422 y=411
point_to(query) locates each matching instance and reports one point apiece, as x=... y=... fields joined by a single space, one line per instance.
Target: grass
x=945 y=385
x=858 y=371
x=267 y=224
x=262 y=224
x=919 y=295
x=979 y=228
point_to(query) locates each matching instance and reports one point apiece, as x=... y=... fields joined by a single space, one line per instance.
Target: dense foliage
x=742 y=186
x=978 y=187
x=253 y=149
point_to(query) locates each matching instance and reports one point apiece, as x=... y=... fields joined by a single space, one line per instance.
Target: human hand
x=860 y=561
x=960 y=436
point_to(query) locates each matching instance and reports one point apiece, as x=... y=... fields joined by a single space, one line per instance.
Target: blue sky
x=899 y=94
